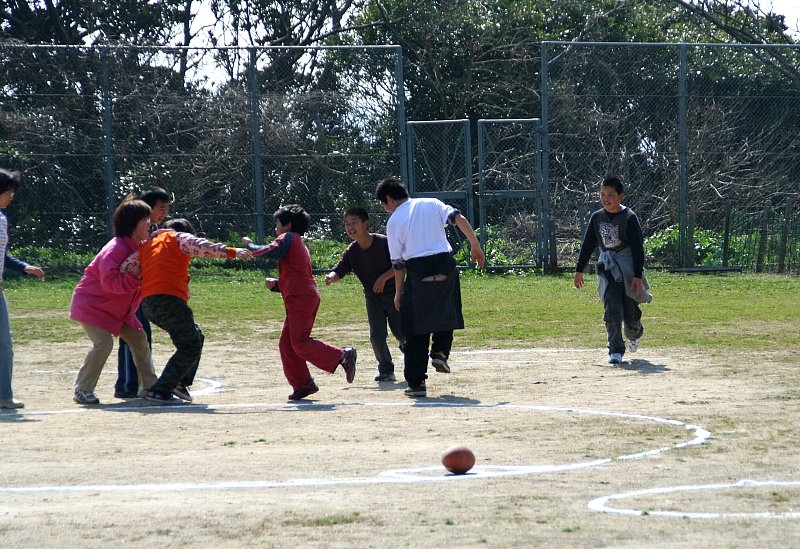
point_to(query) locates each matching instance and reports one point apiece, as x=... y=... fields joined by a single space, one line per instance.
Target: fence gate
x=440 y=162
x=512 y=201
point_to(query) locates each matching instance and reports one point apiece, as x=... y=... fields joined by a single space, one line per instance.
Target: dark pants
x=380 y=310
x=173 y=315
x=127 y=376
x=622 y=315
x=416 y=354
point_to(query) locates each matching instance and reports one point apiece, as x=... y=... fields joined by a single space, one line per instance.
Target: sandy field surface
x=672 y=448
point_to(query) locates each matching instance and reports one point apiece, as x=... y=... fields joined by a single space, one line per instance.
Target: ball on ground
x=458 y=459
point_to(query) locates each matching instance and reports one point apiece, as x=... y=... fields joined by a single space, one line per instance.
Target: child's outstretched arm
x=276 y=250
x=200 y=247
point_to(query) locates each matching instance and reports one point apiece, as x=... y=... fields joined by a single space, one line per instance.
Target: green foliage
x=662 y=248
x=55 y=262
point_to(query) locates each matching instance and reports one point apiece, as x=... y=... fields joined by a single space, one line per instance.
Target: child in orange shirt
x=163 y=262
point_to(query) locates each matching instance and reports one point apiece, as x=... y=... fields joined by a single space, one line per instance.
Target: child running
x=163 y=264
x=620 y=268
x=368 y=257
x=298 y=287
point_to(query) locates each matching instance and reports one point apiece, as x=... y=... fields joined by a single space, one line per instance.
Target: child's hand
x=330 y=278
x=270 y=283
x=241 y=253
x=35 y=271
x=379 y=285
x=246 y=241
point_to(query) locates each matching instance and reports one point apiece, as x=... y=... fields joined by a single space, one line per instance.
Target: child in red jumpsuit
x=297 y=285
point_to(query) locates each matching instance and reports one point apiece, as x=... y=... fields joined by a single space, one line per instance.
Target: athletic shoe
x=302 y=392
x=439 y=362
x=633 y=344
x=418 y=391
x=182 y=393
x=85 y=397
x=614 y=358
x=166 y=400
x=124 y=394
x=11 y=404
x=385 y=377
x=348 y=363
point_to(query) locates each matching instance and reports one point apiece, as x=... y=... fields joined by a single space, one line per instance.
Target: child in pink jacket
x=105 y=303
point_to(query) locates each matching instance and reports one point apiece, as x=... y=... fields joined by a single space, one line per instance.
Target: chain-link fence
x=89 y=125
x=705 y=137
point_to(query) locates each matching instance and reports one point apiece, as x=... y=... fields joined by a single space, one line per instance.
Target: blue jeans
x=6 y=351
x=380 y=310
x=127 y=374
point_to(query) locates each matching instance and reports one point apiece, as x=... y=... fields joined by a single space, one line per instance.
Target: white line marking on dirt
x=601 y=504
x=423 y=474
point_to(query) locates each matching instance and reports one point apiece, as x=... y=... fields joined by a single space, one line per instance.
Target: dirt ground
x=553 y=430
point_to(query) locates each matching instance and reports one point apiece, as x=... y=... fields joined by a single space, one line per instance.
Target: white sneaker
x=614 y=358
x=633 y=344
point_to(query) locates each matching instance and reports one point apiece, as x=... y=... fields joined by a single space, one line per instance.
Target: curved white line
x=393 y=476
x=601 y=504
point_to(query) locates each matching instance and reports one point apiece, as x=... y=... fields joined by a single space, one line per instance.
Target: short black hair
x=128 y=214
x=9 y=181
x=179 y=224
x=294 y=214
x=359 y=212
x=615 y=182
x=153 y=195
x=391 y=186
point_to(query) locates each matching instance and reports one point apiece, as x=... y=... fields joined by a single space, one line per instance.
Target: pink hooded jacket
x=107 y=297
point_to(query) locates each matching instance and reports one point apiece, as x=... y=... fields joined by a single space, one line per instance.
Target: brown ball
x=458 y=459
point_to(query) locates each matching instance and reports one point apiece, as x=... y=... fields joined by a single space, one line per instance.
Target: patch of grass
x=746 y=312
x=779 y=498
x=327 y=520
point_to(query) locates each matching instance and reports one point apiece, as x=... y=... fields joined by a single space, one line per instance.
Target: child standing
x=105 y=302
x=620 y=268
x=127 y=385
x=427 y=289
x=368 y=257
x=163 y=263
x=298 y=287
x=9 y=183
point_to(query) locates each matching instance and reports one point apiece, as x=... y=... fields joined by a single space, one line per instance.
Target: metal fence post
x=683 y=224
x=255 y=131
x=401 y=112
x=762 y=239
x=787 y=216
x=482 y=182
x=544 y=183
x=108 y=137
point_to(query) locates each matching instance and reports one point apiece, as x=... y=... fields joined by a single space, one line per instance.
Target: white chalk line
x=601 y=504
x=423 y=474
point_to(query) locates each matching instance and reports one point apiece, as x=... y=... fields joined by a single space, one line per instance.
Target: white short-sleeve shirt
x=417 y=228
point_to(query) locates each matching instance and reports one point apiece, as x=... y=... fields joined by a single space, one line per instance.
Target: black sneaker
x=385 y=377
x=416 y=391
x=348 y=363
x=302 y=392
x=166 y=400
x=439 y=362
x=125 y=394
x=182 y=392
